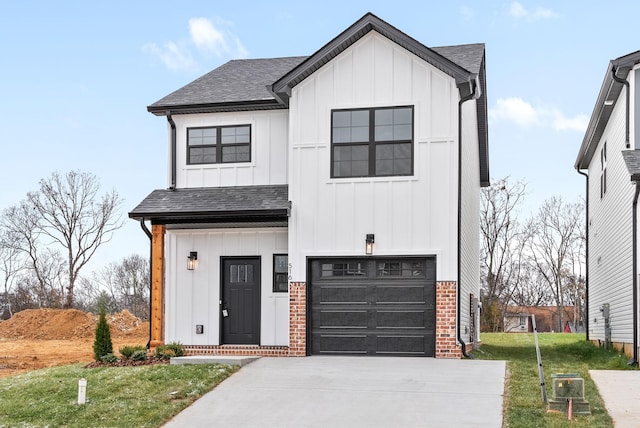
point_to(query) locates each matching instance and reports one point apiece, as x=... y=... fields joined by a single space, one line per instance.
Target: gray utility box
x=568 y=386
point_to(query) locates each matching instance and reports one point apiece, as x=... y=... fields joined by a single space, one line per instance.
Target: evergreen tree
x=102 y=344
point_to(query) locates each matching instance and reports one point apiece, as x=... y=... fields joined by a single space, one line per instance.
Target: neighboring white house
x=326 y=204
x=610 y=158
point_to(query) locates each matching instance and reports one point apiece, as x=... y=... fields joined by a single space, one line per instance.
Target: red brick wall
x=446 y=346
x=297 y=319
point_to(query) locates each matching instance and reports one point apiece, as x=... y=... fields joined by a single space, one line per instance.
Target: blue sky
x=76 y=77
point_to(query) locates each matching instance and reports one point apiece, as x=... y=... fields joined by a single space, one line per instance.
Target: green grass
x=561 y=353
x=143 y=396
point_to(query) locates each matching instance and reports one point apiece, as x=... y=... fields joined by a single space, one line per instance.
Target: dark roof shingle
x=211 y=203
x=237 y=81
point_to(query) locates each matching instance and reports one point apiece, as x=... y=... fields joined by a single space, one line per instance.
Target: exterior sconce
x=192 y=260
x=368 y=247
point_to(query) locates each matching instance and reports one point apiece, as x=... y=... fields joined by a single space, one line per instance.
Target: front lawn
x=144 y=396
x=561 y=353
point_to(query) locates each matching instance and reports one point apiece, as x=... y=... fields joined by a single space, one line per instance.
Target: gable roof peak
x=282 y=87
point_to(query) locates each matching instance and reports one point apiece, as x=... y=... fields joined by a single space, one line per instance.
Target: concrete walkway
x=620 y=390
x=354 y=392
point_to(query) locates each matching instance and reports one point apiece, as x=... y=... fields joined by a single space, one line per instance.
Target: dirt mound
x=60 y=324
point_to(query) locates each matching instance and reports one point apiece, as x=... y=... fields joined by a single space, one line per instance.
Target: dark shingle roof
x=468 y=57
x=214 y=204
x=632 y=159
x=237 y=81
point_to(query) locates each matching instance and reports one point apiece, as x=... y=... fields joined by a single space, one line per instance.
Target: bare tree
x=126 y=285
x=501 y=248
x=556 y=232
x=10 y=267
x=73 y=216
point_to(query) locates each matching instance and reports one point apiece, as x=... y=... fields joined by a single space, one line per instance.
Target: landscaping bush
x=128 y=351
x=108 y=358
x=139 y=355
x=102 y=344
x=174 y=349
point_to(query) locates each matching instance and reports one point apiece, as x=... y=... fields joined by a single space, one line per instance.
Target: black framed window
x=280 y=273
x=372 y=142
x=219 y=144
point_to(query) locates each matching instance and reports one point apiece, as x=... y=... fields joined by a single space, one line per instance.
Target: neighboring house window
x=523 y=320
x=603 y=170
x=373 y=142
x=280 y=273
x=219 y=144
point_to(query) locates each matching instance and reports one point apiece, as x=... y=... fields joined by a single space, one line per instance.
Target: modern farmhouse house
x=326 y=204
x=609 y=157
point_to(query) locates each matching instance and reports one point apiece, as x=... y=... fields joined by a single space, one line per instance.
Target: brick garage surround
x=297 y=333
x=446 y=343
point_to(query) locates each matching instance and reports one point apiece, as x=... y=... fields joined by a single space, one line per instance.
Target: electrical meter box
x=568 y=390
x=567 y=385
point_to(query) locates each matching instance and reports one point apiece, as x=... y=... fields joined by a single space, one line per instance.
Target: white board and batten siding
x=610 y=235
x=193 y=297
x=268 y=150
x=414 y=215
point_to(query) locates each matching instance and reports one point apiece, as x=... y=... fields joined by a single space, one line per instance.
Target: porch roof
x=214 y=205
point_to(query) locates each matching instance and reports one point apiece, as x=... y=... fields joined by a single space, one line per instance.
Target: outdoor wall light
x=368 y=247
x=192 y=260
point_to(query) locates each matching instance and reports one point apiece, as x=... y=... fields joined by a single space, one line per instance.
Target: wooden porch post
x=157 y=285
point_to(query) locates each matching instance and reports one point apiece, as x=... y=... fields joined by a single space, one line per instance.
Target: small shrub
x=127 y=351
x=139 y=355
x=170 y=350
x=102 y=344
x=108 y=358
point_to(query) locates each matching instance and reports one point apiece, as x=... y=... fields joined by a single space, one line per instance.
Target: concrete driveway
x=354 y=392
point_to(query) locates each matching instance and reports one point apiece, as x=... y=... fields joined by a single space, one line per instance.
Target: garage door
x=373 y=306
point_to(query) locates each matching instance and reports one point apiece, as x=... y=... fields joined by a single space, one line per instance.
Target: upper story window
x=603 y=170
x=219 y=144
x=374 y=142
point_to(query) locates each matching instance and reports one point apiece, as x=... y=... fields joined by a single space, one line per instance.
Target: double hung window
x=372 y=142
x=219 y=144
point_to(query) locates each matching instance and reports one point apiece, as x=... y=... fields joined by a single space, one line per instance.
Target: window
x=280 y=273
x=603 y=170
x=343 y=269
x=219 y=144
x=372 y=142
x=523 y=320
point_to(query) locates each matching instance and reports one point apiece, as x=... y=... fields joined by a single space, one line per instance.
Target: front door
x=241 y=301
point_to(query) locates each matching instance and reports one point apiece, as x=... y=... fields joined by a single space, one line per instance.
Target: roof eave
x=348 y=37
x=266 y=104
x=607 y=98
x=210 y=216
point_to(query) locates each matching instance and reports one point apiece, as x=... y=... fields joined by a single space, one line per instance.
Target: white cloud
x=517 y=10
x=577 y=123
x=515 y=110
x=205 y=39
x=173 y=55
x=525 y=115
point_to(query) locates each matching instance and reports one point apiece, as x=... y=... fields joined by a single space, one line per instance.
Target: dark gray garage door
x=373 y=306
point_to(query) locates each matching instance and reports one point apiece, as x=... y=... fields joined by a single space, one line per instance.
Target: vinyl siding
x=411 y=215
x=470 y=232
x=192 y=297
x=610 y=236
x=268 y=151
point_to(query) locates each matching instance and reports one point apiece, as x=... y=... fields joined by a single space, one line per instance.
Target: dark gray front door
x=373 y=306
x=241 y=301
